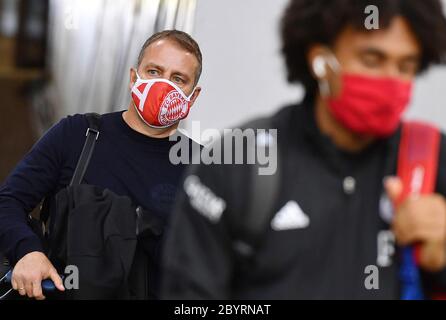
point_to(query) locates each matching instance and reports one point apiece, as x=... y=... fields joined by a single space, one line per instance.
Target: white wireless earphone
x=320 y=70
x=319 y=66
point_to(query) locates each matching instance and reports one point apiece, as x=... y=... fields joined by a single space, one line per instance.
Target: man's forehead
x=397 y=39
x=168 y=51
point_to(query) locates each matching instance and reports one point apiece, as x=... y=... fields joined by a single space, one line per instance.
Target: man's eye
x=178 y=80
x=153 y=72
x=370 y=61
x=409 y=68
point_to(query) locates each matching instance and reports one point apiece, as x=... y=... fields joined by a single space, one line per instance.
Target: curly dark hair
x=306 y=22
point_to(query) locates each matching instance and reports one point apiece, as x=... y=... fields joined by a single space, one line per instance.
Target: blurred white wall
x=244 y=73
x=429 y=101
x=93 y=40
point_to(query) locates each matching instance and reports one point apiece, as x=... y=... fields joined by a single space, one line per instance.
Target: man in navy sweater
x=131 y=157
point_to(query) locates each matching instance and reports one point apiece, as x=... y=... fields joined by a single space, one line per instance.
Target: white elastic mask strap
x=333 y=63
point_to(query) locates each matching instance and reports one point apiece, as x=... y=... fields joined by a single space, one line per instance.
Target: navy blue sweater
x=124 y=161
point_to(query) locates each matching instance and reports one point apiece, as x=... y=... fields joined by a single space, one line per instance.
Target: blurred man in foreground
x=331 y=225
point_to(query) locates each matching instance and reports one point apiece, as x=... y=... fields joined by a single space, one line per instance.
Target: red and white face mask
x=159 y=102
x=371 y=106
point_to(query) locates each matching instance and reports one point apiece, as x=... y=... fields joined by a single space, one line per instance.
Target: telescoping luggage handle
x=47 y=284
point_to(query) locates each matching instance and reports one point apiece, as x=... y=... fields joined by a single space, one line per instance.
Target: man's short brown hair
x=183 y=39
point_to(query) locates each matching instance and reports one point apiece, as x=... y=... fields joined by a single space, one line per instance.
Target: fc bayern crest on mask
x=173 y=108
x=160 y=103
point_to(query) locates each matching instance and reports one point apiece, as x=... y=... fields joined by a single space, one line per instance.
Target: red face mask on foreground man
x=366 y=105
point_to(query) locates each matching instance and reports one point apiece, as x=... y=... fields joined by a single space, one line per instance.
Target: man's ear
x=133 y=78
x=195 y=95
x=325 y=69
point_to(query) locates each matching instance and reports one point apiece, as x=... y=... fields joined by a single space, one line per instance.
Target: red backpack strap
x=418 y=158
x=418 y=161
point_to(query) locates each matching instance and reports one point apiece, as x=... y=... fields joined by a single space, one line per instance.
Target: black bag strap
x=92 y=135
x=262 y=194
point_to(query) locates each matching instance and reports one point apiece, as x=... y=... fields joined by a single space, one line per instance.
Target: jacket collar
x=339 y=160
